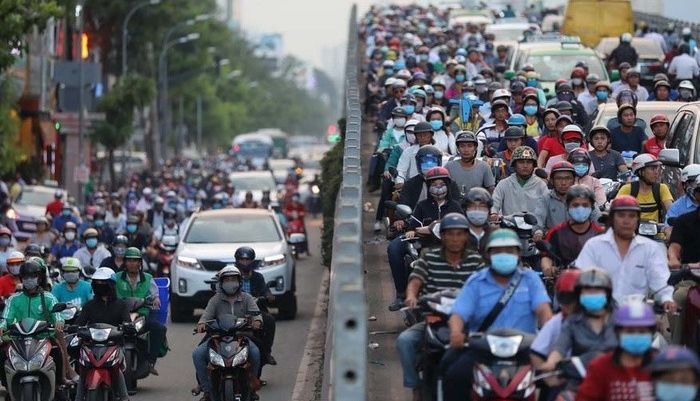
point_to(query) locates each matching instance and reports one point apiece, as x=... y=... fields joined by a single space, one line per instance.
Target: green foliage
x=9 y=125
x=331 y=178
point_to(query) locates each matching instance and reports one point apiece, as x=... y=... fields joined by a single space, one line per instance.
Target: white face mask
x=69 y=235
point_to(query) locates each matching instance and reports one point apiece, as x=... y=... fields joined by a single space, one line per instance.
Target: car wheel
x=180 y=313
x=287 y=306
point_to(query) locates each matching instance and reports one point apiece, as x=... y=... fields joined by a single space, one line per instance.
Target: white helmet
x=685 y=84
x=685 y=31
x=104 y=273
x=399 y=83
x=499 y=93
x=390 y=81
x=229 y=270
x=404 y=74
x=644 y=160
x=626 y=37
x=689 y=172
x=439 y=81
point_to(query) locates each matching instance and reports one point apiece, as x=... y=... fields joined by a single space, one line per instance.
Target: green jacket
x=21 y=306
x=388 y=140
x=142 y=289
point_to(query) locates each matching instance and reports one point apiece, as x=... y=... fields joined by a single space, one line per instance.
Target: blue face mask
x=459 y=78
x=532 y=83
x=436 y=124
x=579 y=214
x=636 y=344
x=675 y=391
x=99 y=223
x=504 y=263
x=91 y=242
x=439 y=94
x=388 y=71
x=530 y=110
x=593 y=302
x=581 y=169
x=399 y=65
x=409 y=108
x=602 y=95
x=131 y=228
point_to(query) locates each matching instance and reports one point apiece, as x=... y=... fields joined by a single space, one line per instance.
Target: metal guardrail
x=662 y=22
x=346 y=340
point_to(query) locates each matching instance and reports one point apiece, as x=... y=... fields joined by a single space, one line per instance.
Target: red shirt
x=7 y=286
x=606 y=380
x=653 y=146
x=553 y=146
x=54 y=208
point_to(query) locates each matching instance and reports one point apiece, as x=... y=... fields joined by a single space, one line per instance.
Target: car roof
x=258 y=173
x=645 y=47
x=40 y=188
x=661 y=106
x=553 y=48
x=235 y=212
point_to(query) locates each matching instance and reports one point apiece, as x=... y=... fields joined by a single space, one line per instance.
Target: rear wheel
x=29 y=392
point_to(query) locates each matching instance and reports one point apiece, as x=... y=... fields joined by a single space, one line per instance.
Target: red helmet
x=659 y=118
x=437 y=173
x=625 y=202
x=578 y=72
x=567 y=280
x=562 y=166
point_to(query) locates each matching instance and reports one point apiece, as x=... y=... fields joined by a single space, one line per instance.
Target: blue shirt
x=481 y=292
x=61 y=250
x=78 y=296
x=680 y=207
x=60 y=222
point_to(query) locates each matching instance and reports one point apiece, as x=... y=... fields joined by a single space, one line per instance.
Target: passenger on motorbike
x=134 y=234
x=654 y=198
x=568 y=237
x=477 y=205
x=10 y=282
x=407 y=165
x=93 y=253
x=622 y=374
x=229 y=299
x=571 y=138
x=468 y=172
x=415 y=189
x=68 y=246
x=675 y=372
x=688 y=202
x=104 y=308
x=66 y=216
x=551 y=209
x=134 y=283
x=475 y=309
x=522 y=190
x=583 y=169
x=117 y=262
x=445 y=267
x=608 y=163
x=73 y=289
x=43 y=235
x=635 y=263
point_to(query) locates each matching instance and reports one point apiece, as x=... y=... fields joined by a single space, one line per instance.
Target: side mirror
x=59 y=307
x=393 y=171
x=390 y=205
x=404 y=211
x=435 y=229
x=530 y=219
x=542 y=173
x=670 y=157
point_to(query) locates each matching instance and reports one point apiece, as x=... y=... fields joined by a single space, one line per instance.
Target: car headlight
x=17 y=361
x=139 y=323
x=241 y=357
x=38 y=360
x=273 y=260
x=190 y=263
x=215 y=359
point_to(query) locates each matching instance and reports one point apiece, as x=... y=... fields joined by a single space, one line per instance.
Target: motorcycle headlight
x=68 y=314
x=649 y=229
x=216 y=359
x=17 y=361
x=139 y=323
x=190 y=263
x=504 y=347
x=75 y=341
x=99 y=335
x=241 y=357
x=273 y=260
x=38 y=360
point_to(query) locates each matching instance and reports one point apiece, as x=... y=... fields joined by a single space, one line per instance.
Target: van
x=592 y=20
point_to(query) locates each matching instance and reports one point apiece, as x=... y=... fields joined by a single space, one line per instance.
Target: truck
x=592 y=20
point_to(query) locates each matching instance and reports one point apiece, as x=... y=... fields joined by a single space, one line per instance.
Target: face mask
x=388 y=71
x=230 y=287
x=100 y=290
x=675 y=391
x=30 y=283
x=530 y=110
x=400 y=122
x=409 y=108
x=636 y=344
x=436 y=124
x=504 y=263
x=411 y=138
x=99 y=223
x=581 y=169
x=602 y=95
x=459 y=78
x=91 y=242
x=577 y=81
x=71 y=277
x=438 y=94
x=532 y=83
x=131 y=228
x=69 y=235
x=593 y=302
x=685 y=94
x=14 y=269
x=65 y=213
x=438 y=191
x=569 y=146
x=119 y=251
x=579 y=214
x=4 y=241
x=419 y=106
x=477 y=217
x=422 y=57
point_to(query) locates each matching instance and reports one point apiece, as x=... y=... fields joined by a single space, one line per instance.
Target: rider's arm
x=498 y=199
x=403 y=165
x=153 y=290
x=666 y=197
x=9 y=315
x=657 y=275
x=252 y=307
x=674 y=254
x=210 y=310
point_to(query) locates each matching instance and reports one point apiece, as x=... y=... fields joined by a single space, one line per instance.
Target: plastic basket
x=163 y=284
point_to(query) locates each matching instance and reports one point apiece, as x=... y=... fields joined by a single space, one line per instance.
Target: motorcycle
x=690 y=331
x=229 y=368
x=135 y=337
x=167 y=247
x=297 y=237
x=101 y=357
x=523 y=224
x=29 y=369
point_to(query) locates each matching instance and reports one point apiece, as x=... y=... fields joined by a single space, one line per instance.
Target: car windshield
x=253 y=182
x=642 y=116
x=232 y=229
x=554 y=66
x=35 y=198
x=281 y=164
x=253 y=149
x=511 y=33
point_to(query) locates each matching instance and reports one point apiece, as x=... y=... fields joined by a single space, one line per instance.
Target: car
x=651 y=55
x=208 y=244
x=280 y=168
x=469 y=17
x=31 y=205
x=257 y=148
x=511 y=29
x=683 y=145
x=554 y=59
x=607 y=113
x=256 y=182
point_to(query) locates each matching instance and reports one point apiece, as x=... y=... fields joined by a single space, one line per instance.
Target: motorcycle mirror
x=604 y=218
x=393 y=171
x=530 y=219
x=390 y=204
x=59 y=307
x=542 y=173
x=435 y=229
x=404 y=211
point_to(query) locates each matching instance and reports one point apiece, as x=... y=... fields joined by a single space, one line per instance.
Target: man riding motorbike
x=675 y=372
x=468 y=172
x=477 y=204
x=73 y=289
x=93 y=253
x=522 y=190
x=654 y=198
x=117 y=262
x=688 y=202
x=169 y=226
x=10 y=282
x=68 y=246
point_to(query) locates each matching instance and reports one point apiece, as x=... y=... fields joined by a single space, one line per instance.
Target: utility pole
x=180 y=126
x=81 y=100
x=199 y=123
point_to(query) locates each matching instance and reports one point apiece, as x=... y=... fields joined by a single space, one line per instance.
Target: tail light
x=656 y=67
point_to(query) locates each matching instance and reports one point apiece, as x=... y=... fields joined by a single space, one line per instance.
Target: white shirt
x=641 y=92
x=684 y=67
x=406 y=165
x=588 y=100
x=547 y=336
x=95 y=259
x=643 y=270
x=445 y=143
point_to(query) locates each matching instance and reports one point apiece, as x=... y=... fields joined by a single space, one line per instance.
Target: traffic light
x=84 y=47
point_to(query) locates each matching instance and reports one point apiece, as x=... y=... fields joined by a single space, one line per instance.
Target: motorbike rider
x=688 y=202
x=93 y=253
x=660 y=125
x=229 y=299
x=551 y=209
x=675 y=372
x=116 y=219
x=522 y=190
x=438 y=204
x=136 y=237
x=627 y=136
x=105 y=232
x=253 y=283
x=513 y=138
x=73 y=289
x=134 y=283
x=414 y=189
x=475 y=308
x=468 y=172
x=407 y=166
x=608 y=163
x=66 y=216
x=635 y=263
x=583 y=169
x=69 y=245
x=571 y=139
x=568 y=237
x=169 y=226
x=654 y=197
x=445 y=267
x=622 y=374
x=10 y=282
x=56 y=205
x=43 y=236
x=117 y=262
x=477 y=205
x=106 y=308
x=6 y=246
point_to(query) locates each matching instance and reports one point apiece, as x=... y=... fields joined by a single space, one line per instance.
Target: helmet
x=419 y=93
x=244 y=252
x=466 y=137
x=437 y=173
x=689 y=172
x=562 y=166
x=120 y=240
x=229 y=270
x=5 y=231
x=428 y=156
x=70 y=226
x=503 y=237
x=627 y=96
x=625 y=202
x=169 y=213
x=514 y=132
x=439 y=81
x=408 y=98
x=579 y=155
x=31 y=266
x=478 y=194
x=58 y=194
x=517 y=119
x=675 y=358
x=563 y=87
x=517 y=87
x=567 y=280
x=644 y=160
x=423 y=127
x=565 y=118
x=661 y=83
x=70 y=264
x=594 y=277
x=685 y=84
x=596 y=129
x=603 y=84
x=578 y=72
x=454 y=220
x=500 y=93
x=132 y=219
x=90 y=233
x=15 y=257
x=132 y=253
x=399 y=112
x=592 y=78
x=33 y=250
x=580 y=191
x=419 y=75
x=551 y=110
x=523 y=153
x=159 y=200
x=572 y=131
x=634 y=314
x=104 y=273
x=658 y=118
x=563 y=105
x=498 y=103
x=626 y=37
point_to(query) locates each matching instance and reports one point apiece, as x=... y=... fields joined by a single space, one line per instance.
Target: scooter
x=690 y=334
x=523 y=224
x=101 y=358
x=167 y=247
x=297 y=237
x=136 y=340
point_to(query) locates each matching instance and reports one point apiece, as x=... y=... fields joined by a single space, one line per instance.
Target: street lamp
x=189 y=22
x=125 y=32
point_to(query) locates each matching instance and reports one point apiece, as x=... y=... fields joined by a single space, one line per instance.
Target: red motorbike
x=690 y=334
x=101 y=358
x=166 y=254
x=297 y=236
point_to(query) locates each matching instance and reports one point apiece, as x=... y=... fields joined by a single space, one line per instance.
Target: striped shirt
x=437 y=274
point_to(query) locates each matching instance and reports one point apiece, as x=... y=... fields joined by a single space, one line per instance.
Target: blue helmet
x=517 y=119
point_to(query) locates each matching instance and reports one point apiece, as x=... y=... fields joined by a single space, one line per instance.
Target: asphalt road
x=177 y=373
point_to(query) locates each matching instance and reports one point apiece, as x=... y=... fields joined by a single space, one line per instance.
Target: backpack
x=656 y=193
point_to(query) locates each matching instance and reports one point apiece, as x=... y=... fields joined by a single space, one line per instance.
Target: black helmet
x=580 y=191
x=563 y=105
x=30 y=267
x=579 y=155
x=427 y=157
x=454 y=220
x=514 y=132
x=133 y=219
x=423 y=127
x=244 y=252
x=32 y=250
x=169 y=213
x=120 y=240
x=478 y=194
x=466 y=137
x=627 y=96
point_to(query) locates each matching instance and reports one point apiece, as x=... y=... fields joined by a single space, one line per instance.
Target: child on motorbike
x=676 y=374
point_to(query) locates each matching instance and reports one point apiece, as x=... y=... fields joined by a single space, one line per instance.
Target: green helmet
x=70 y=264
x=503 y=237
x=509 y=74
x=523 y=153
x=39 y=261
x=132 y=253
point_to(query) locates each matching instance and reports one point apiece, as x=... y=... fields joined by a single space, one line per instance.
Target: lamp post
x=125 y=30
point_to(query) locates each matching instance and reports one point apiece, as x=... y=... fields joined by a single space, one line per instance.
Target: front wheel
x=130 y=370
x=98 y=394
x=30 y=392
x=228 y=391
